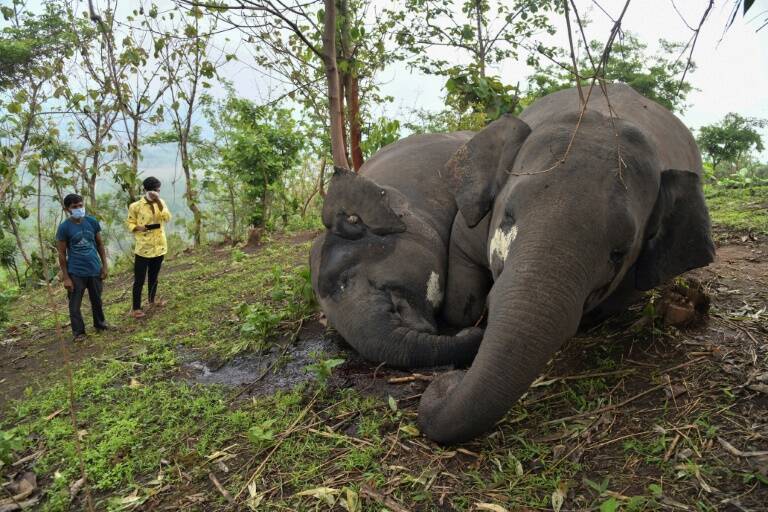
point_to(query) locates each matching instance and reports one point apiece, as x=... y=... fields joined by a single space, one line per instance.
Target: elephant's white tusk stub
x=500 y=243
x=434 y=293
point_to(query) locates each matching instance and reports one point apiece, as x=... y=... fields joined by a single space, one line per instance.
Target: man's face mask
x=152 y=195
x=77 y=213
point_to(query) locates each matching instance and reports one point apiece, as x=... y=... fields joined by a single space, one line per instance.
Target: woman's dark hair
x=151 y=183
x=71 y=199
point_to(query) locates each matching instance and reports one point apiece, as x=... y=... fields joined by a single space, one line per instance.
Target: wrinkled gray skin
x=549 y=247
x=379 y=268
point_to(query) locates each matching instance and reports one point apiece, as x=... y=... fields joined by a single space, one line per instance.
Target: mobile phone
x=152 y=226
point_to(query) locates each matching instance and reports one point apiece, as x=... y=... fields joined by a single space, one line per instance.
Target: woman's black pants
x=143 y=268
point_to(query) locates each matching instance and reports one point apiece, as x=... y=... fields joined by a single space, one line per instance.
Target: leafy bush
x=10 y=442
x=743 y=178
x=6 y=297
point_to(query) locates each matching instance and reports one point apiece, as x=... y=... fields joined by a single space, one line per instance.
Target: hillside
x=235 y=397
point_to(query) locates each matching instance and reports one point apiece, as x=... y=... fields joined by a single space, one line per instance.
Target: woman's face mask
x=77 y=213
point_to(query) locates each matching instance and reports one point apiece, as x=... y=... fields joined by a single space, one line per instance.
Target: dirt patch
x=29 y=358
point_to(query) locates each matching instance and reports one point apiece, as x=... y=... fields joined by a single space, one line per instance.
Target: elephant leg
x=469 y=280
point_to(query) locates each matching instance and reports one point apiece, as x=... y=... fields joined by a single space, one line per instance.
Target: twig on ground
x=410 y=378
x=220 y=488
x=606 y=408
x=738 y=453
x=388 y=502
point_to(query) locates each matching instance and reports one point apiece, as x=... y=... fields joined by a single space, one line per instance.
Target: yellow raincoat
x=152 y=243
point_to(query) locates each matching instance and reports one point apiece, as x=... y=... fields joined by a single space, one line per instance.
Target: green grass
x=740 y=209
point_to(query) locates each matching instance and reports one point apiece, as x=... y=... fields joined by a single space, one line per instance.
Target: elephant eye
x=617 y=256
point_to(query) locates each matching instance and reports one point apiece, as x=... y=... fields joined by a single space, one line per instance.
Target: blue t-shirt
x=82 y=257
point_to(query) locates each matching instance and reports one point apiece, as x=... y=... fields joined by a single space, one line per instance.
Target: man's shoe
x=105 y=327
x=158 y=304
x=79 y=338
x=137 y=313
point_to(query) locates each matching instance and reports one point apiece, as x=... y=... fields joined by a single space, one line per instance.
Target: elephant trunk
x=383 y=327
x=535 y=305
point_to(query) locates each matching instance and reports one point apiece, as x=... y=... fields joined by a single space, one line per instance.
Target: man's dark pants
x=94 y=287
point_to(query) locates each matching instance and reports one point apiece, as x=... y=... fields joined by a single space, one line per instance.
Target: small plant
x=237 y=255
x=261 y=435
x=323 y=368
x=9 y=442
x=259 y=320
x=6 y=297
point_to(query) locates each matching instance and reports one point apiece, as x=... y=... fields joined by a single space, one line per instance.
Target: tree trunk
x=134 y=141
x=332 y=76
x=480 y=43
x=19 y=242
x=353 y=113
x=233 y=206
x=190 y=195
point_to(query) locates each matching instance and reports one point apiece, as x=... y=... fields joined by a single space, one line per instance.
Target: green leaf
x=610 y=505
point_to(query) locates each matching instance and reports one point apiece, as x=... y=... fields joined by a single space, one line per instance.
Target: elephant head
x=568 y=220
x=378 y=272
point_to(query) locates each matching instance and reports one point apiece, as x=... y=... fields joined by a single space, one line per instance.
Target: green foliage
x=488 y=32
x=731 y=139
x=322 y=368
x=7 y=295
x=468 y=90
x=262 y=434
x=743 y=178
x=740 y=209
x=32 y=44
x=378 y=134
x=10 y=442
x=292 y=298
x=263 y=144
x=656 y=77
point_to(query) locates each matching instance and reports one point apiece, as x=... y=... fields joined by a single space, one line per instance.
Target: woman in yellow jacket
x=146 y=220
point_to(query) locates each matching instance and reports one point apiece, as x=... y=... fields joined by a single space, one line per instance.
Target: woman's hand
x=140 y=229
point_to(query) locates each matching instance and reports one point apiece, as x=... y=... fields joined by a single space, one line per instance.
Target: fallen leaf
x=351 y=501
x=255 y=498
x=75 y=488
x=491 y=507
x=327 y=494
x=53 y=415
x=135 y=383
x=760 y=388
x=558 y=498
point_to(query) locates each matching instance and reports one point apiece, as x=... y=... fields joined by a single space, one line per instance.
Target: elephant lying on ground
x=379 y=269
x=551 y=237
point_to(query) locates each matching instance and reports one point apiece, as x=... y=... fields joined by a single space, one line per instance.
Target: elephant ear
x=478 y=169
x=678 y=233
x=354 y=201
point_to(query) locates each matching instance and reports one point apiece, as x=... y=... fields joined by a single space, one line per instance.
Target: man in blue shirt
x=83 y=263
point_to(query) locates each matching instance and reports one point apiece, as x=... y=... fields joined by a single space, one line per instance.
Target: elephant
x=563 y=212
x=378 y=270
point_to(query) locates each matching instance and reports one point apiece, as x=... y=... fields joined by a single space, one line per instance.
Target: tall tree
x=138 y=78
x=732 y=139
x=655 y=76
x=191 y=67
